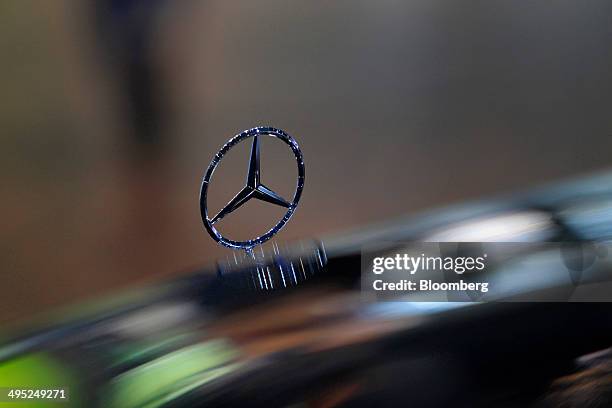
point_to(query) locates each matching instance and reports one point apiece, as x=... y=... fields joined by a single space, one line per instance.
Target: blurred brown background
x=111 y=110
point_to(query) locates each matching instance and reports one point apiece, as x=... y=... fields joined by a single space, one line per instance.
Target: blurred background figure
x=111 y=110
x=126 y=30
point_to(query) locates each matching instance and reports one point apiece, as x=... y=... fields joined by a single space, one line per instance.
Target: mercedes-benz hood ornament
x=254 y=188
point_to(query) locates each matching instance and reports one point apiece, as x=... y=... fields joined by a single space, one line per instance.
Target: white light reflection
x=405 y=309
x=524 y=226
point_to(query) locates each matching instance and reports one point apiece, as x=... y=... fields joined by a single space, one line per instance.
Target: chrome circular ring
x=258 y=131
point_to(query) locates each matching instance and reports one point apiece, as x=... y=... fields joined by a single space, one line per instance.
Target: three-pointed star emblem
x=253 y=188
